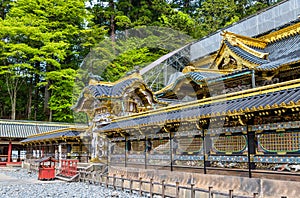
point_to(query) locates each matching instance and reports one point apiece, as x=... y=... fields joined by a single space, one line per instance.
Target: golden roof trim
x=199 y=70
x=282 y=33
x=244 y=43
x=220 y=98
x=164 y=89
x=249 y=41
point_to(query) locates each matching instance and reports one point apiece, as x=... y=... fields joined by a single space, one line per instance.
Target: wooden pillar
x=43 y=151
x=203 y=151
x=59 y=155
x=207 y=143
x=171 y=150
x=251 y=150
x=230 y=193
x=146 y=151
x=127 y=149
x=9 y=151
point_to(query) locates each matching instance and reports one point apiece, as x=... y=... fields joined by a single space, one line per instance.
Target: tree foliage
x=41 y=37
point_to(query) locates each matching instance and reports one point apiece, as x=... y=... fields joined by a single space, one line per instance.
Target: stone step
x=67 y=179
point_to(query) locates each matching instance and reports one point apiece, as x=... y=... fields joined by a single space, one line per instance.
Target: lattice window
x=161 y=146
x=119 y=148
x=190 y=144
x=75 y=148
x=229 y=143
x=138 y=146
x=280 y=142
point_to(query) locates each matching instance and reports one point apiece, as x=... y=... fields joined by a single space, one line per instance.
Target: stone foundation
x=266 y=188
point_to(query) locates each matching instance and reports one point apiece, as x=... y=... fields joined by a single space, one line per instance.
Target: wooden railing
x=138 y=186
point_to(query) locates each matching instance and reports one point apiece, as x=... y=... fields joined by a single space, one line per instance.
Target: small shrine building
x=13 y=132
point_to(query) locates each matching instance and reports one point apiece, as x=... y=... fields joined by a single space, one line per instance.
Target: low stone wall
x=243 y=186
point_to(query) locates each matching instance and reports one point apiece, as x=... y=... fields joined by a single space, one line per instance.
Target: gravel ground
x=19 y=183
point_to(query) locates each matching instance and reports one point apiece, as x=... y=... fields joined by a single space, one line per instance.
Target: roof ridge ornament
x=249 y=41
x=244 y=42
x=94 y=79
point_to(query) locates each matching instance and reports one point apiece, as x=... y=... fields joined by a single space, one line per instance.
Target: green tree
x=216 y=14
x=61 y=99
x=186 y=6
x=179 y=21
x=130 y=14
x=140 y=47
x=46 y=36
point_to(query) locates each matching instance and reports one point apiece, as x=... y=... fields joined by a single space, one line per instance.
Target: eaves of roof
x=23 y=129
x=281 y=94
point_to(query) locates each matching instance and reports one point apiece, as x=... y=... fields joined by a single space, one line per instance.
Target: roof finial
x=95 y=77
x=137 y=69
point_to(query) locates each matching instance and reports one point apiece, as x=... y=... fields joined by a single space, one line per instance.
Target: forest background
x=44 y=42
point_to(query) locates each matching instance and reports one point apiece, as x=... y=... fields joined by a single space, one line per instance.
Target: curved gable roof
x=199 y=77
x=282 y=52
x=244 y=54
x=247 y=52
x=96 y=91
x=112 y=91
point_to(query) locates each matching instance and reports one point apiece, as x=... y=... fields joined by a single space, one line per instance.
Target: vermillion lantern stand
x=47 y=168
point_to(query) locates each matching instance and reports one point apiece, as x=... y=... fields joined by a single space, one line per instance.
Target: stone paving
x=18 y=183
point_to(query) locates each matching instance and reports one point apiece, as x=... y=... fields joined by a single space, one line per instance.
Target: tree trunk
x=29 y=100
x=50 y=116
x=112 y=20
x=46 y=100
x=12 y=84
x=187 y=4
x=13 y=104
x=36 y=96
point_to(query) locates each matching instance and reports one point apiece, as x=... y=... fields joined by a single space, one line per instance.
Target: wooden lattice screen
x=280 y=142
